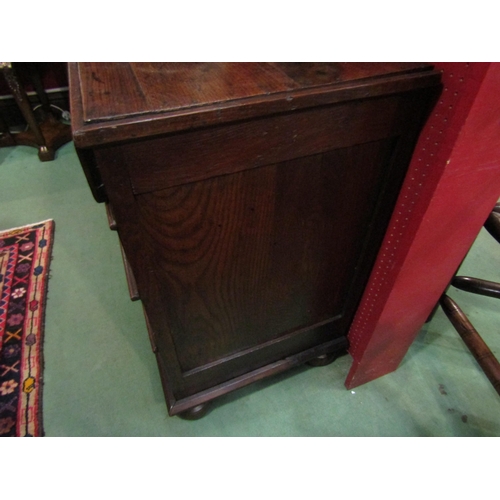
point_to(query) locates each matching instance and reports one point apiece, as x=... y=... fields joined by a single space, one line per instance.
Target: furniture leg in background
x=472 y=339
x=46 y=136
x=476 y=345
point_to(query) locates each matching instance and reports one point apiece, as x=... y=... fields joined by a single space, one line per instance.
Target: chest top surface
x=110 y=98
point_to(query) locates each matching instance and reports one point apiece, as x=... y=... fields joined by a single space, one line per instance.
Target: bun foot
x=324 y=359
x=46 y=154
x=195 y=413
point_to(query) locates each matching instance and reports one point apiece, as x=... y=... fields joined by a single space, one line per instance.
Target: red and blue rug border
x=25 y=254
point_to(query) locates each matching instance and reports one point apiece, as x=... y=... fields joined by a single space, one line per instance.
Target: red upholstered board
x=452 y=184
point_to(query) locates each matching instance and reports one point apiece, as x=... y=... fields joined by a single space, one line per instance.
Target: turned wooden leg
x=477 y=286
x=476 y=345
x=196 y=412
x=40 y=91
x=44 y=152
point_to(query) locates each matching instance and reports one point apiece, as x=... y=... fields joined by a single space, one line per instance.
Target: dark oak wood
x=325 y=359
x=259 y=142
x=492 y=224
x=111 y=218
x=476 y=345
x=235 y=256
x=47 y=135
x=91 y=171
x=184 y=85
x=250 y=200
x=150 y=332
x=196 y=412
x=129 y=275
x=477 y=286
x=143 y=119
x=334 y=347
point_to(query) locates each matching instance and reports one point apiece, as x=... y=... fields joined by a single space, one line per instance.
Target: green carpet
x=101 y=377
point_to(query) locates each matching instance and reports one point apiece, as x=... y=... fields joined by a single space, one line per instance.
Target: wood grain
x=154 y=87
x=203 y=94
x=177 y=160
x=102 y=83
x=313 y=74
x=250 y=200
x=188 y=84
x=246 y=265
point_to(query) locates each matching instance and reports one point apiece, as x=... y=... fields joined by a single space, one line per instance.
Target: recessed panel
x=250 y=257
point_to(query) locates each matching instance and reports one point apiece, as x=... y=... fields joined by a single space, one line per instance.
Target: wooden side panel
x=177 y=159
x=252 y=264
x=253 y=256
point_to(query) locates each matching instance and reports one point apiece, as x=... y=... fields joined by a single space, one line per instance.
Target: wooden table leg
x=44 y=153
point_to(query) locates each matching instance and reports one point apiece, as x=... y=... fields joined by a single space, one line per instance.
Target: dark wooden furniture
x=48 y=133
x=250 y=200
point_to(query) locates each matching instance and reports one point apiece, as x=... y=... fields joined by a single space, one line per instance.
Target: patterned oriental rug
x=24 y=265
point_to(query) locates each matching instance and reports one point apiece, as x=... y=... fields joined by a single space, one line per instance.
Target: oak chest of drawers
x=250 y=200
